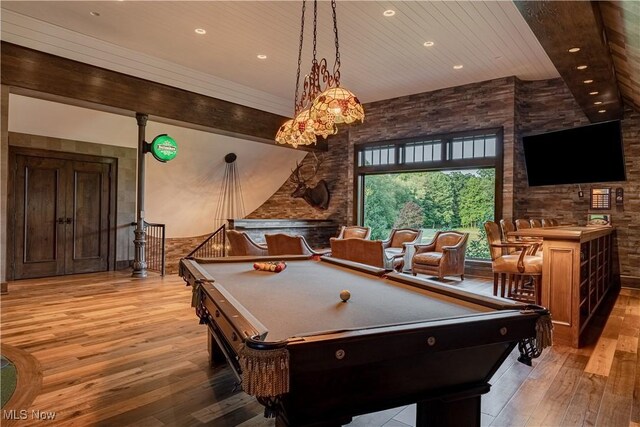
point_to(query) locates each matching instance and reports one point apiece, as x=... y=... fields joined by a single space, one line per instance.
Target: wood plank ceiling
x=382 y=57
x=622 y=24
x=562 y=26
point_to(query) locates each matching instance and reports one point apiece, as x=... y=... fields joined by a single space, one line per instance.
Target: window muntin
x=376 y=156
x=439 y=149
x=473 y=147
x=422 y=151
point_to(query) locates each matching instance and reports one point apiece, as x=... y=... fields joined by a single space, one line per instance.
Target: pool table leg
x=462 y=410
x=216 y=355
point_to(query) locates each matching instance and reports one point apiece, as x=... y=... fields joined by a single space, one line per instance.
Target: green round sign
x=164 y=148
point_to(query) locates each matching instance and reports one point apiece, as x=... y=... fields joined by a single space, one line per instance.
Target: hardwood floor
x=117 y=351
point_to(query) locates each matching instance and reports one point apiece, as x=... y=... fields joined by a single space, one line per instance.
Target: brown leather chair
x=285 y=244
x=394 y=245
x=522 y=224
x=549 y=222
x=506 y=226
x=513 y=270
x=354 y=232
x=364 y=251
x=535 y=223
x=241 y=244
x=443 y=256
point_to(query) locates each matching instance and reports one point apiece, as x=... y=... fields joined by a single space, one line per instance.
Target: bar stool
x=519 y=273
x=535 y=223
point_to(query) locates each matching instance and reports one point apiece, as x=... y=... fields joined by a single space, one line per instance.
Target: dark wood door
x=39 y=217
x=87 y=217
x=62 y=217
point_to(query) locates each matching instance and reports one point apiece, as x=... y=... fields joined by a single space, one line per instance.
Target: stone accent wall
x=520 y=108
x=546 y=106
x=179 y=247
x=475 y=106
x=334 y=170
x=126 y=186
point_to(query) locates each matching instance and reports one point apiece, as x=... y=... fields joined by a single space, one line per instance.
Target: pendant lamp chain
x=296 y=107
x=336 y=65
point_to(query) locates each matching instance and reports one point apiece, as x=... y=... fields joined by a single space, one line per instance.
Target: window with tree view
x=444 y=183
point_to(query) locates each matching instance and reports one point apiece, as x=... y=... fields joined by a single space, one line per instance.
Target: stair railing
x=155 y=246
x=213 y=246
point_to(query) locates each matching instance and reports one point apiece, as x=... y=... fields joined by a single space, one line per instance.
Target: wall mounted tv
x=592 y=153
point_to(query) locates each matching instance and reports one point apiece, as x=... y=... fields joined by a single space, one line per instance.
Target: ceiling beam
x=33 y=72
x=561 y=25
x=622 y=22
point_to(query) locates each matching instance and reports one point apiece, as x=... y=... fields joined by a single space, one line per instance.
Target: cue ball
x=345 y=295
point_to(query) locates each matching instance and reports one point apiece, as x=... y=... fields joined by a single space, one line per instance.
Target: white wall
x=183 y=193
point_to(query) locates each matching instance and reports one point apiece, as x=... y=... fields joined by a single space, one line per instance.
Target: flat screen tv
x=586 y=154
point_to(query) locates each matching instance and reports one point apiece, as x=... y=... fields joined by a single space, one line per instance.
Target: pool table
x=313 y=359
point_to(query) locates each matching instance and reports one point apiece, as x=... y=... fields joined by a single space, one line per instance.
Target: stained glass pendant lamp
x=317 y=111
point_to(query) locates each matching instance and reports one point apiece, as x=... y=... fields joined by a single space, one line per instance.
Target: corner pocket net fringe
x=544 y=332
x=264 y=372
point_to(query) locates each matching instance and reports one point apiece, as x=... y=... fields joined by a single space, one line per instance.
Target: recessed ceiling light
x=200 y=31
x=457 y=67
x=389 y=12
x=597 y=103
x=602 y=111
x=574 y=49
x=261 y=56
x=588 y=81
x=428 y=44
x=581 y=67
x=94 y=13
x=595 y=92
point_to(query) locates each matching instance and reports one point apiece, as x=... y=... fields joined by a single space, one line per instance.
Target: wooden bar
x=576 y=276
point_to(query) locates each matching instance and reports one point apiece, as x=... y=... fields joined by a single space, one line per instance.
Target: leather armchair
x=285 y=244
x=394 y=245
x=443 y=256
x=368 y=252
x=241 y=244
x=354 y=232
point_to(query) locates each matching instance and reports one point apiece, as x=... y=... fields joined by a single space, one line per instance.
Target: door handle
x=60 y=221
x=69 y=220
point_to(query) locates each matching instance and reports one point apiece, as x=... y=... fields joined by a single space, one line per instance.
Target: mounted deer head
x=318 y=196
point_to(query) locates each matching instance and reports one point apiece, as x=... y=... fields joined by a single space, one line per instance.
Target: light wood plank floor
x=117 y=351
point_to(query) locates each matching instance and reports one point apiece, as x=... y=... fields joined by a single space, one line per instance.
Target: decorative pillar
x=139 y=262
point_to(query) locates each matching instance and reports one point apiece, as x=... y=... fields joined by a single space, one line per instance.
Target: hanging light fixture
x=231 y=200
x=317 y=112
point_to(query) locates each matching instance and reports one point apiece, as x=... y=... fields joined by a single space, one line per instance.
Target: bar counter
x=576 y=275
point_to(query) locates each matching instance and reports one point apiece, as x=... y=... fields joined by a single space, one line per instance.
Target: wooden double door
x=62 y=215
